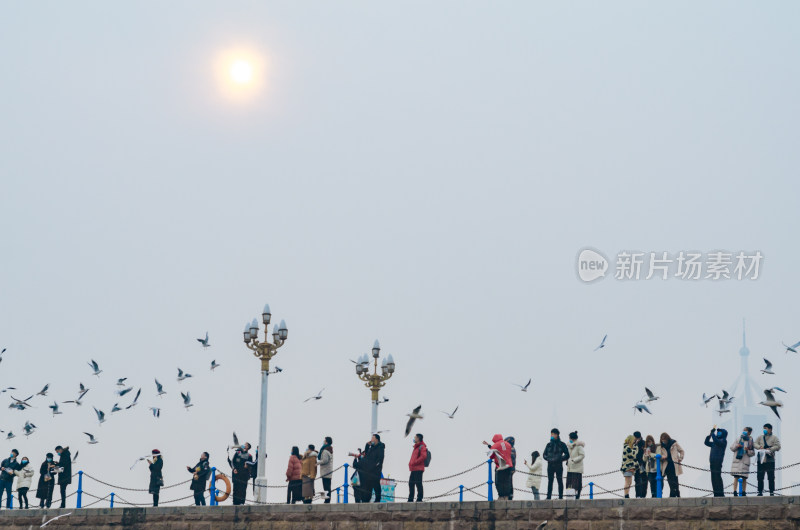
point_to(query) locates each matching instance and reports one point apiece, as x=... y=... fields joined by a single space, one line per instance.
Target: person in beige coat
x=575 y=464
x=674 y=469
x=740 y=467
x=534 y=481
x=24 y=478
x=651 y=462
x=309 y=474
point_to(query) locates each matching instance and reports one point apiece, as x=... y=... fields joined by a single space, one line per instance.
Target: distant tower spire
x=744 y=337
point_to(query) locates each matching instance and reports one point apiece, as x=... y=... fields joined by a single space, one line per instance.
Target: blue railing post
x=338 y=498
x=80 y=489
x=591 y=490
x=489 y=482
x=212 y=490
x=461 y=494
x=346 y=484
x=659 y=478
x=112 y=500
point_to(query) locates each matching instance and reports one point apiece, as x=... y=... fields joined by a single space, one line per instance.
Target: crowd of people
x=640 y=459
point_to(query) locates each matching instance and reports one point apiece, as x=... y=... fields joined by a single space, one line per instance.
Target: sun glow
x=241 y=74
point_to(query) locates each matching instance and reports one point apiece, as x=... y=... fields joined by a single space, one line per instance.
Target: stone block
x=718 y=513
x=771 y=511
x=744 y=512
x=638 y=513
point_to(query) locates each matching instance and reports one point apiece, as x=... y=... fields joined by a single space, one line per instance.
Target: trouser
x=5 y=487
x=769 y=469
x=47 y=499
x=415 y=481
x=502 y=481
x=651 y=478
x=640 y=482
x=326 y=485
x=239 y=491
x=63 y=488
x=294 y=493
x=716 y=479
x=22 y=495
x=200 y=498
x=672 y=480
x=374 y=486
x=155 y=499
x=555 y=469
x=535 y=493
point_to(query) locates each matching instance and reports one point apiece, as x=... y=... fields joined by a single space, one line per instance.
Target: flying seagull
x=43 y=391
x=315 y=398
x=723 y=407
x=187 y=400
x=236 y=444
x=450 y=414
x=10 y=435
x=183 y=375
x=82 y=387
x=92 y=439
x=384 y=399
x=602 y=343
x=277 y=370
x=204 y=341
x=57 y=516
x=707 y=400
x=20 y=404
x=101 y=416
x=414 y=416
x=135 y=400
x=156 y=412
x=29 y=428
x=641 y=407
x=159 y=388
x=78 y=401
x=7 y=389
x=771 y=402
x=768 y=368
x=95 y=368
x=726 y=397
x=523 y=388
x=650 y=395
x=75 y=458
x=124 y=391
x=121 y=381
x=115 y=408
x=792 y=348
x=54 y=408
x=214 y=365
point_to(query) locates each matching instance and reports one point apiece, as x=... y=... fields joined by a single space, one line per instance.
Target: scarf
x=324 y=447
x=742 y=441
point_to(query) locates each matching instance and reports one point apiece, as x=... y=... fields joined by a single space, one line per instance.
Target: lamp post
x=375 y=381
x=264 y=351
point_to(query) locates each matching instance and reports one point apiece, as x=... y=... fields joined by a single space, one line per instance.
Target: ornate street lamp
x=264 y=351
x=375 y=381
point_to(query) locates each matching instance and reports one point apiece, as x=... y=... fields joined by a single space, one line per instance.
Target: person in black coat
x=7 y=468
x=555 y=454
x=200 y=472
x=156 y=475
x=241 y=463
x=371 y=468
x=65 y=472
x=717 y=440
x=44 y=489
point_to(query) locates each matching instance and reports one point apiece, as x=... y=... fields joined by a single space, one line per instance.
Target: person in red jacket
x=417 y=467
x=501 y=454
x=294 y=472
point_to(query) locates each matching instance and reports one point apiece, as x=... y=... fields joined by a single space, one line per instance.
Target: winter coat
x=156 y=477
x=534 y=479
x=24 y=476
x=241 y=466
x=556 y=452
x=372 y=464
x=294 y=471
x=628 y=458
x=65 y=462
x=309 y=464
x=768 y=441
x=717 y=442
x=9 y=466
x=650 y=459
x=676 y=452
x=418 y=456
x=325 y=461
x=45 y=486
x=741 y=466
x=501 y=452
x=511 y=441
x=200 y=473
x=576 y=456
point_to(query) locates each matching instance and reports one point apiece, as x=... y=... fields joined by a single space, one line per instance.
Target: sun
x=241 y=72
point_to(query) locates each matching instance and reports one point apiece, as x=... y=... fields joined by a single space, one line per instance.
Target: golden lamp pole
x=375 y=381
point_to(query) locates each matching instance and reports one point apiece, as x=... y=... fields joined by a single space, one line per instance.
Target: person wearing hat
x=44 y=490
x=156 y=476
x=200 y=472
x=242 y=460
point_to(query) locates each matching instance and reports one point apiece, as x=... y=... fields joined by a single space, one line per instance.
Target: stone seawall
x=630 y=514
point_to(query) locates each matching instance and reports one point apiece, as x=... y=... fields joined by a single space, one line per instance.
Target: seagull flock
x=123 y=389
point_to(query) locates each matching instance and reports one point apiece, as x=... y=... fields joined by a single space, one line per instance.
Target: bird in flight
x=124 y=391
x=159 y=388
x=29 y=428
x=92 y=439
x=20 y=404
x=726 y=397
x=315 y=398
x=771 y=402
x=183 y=375
x=204 y=341
x=77 y=400
x=236 y=444
x=214 y=365
x=650 y=395
x=43 y=391
x=101 y=416
x=57 y=516
x=121 y=381
x=187 y=400
x=768 y=368
x=641 y=407
x=707 y=400
x=277 y=370
x=793 y=348
x=156 y=412
x=135 y=400
x=602 y=343
x=525 y=387
x=724 y=407
x=10 y=435
x=115 y=408
x=54 y=408
x=95 y=368
x=450 y=414
x=414 y=416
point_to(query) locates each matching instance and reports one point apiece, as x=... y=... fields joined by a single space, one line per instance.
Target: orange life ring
x=224 y=496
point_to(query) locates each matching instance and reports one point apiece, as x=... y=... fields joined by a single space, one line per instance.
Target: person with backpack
x=419 y=460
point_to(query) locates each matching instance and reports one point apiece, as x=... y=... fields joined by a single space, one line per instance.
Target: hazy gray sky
x=422 y=173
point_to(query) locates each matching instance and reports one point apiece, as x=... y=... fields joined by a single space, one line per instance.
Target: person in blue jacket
x=717 y=440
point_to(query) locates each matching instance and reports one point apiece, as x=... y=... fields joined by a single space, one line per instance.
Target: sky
x=422 y=174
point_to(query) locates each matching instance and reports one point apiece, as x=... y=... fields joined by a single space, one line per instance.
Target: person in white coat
x=24 y=478
x=534 y=481
x=575 y=464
